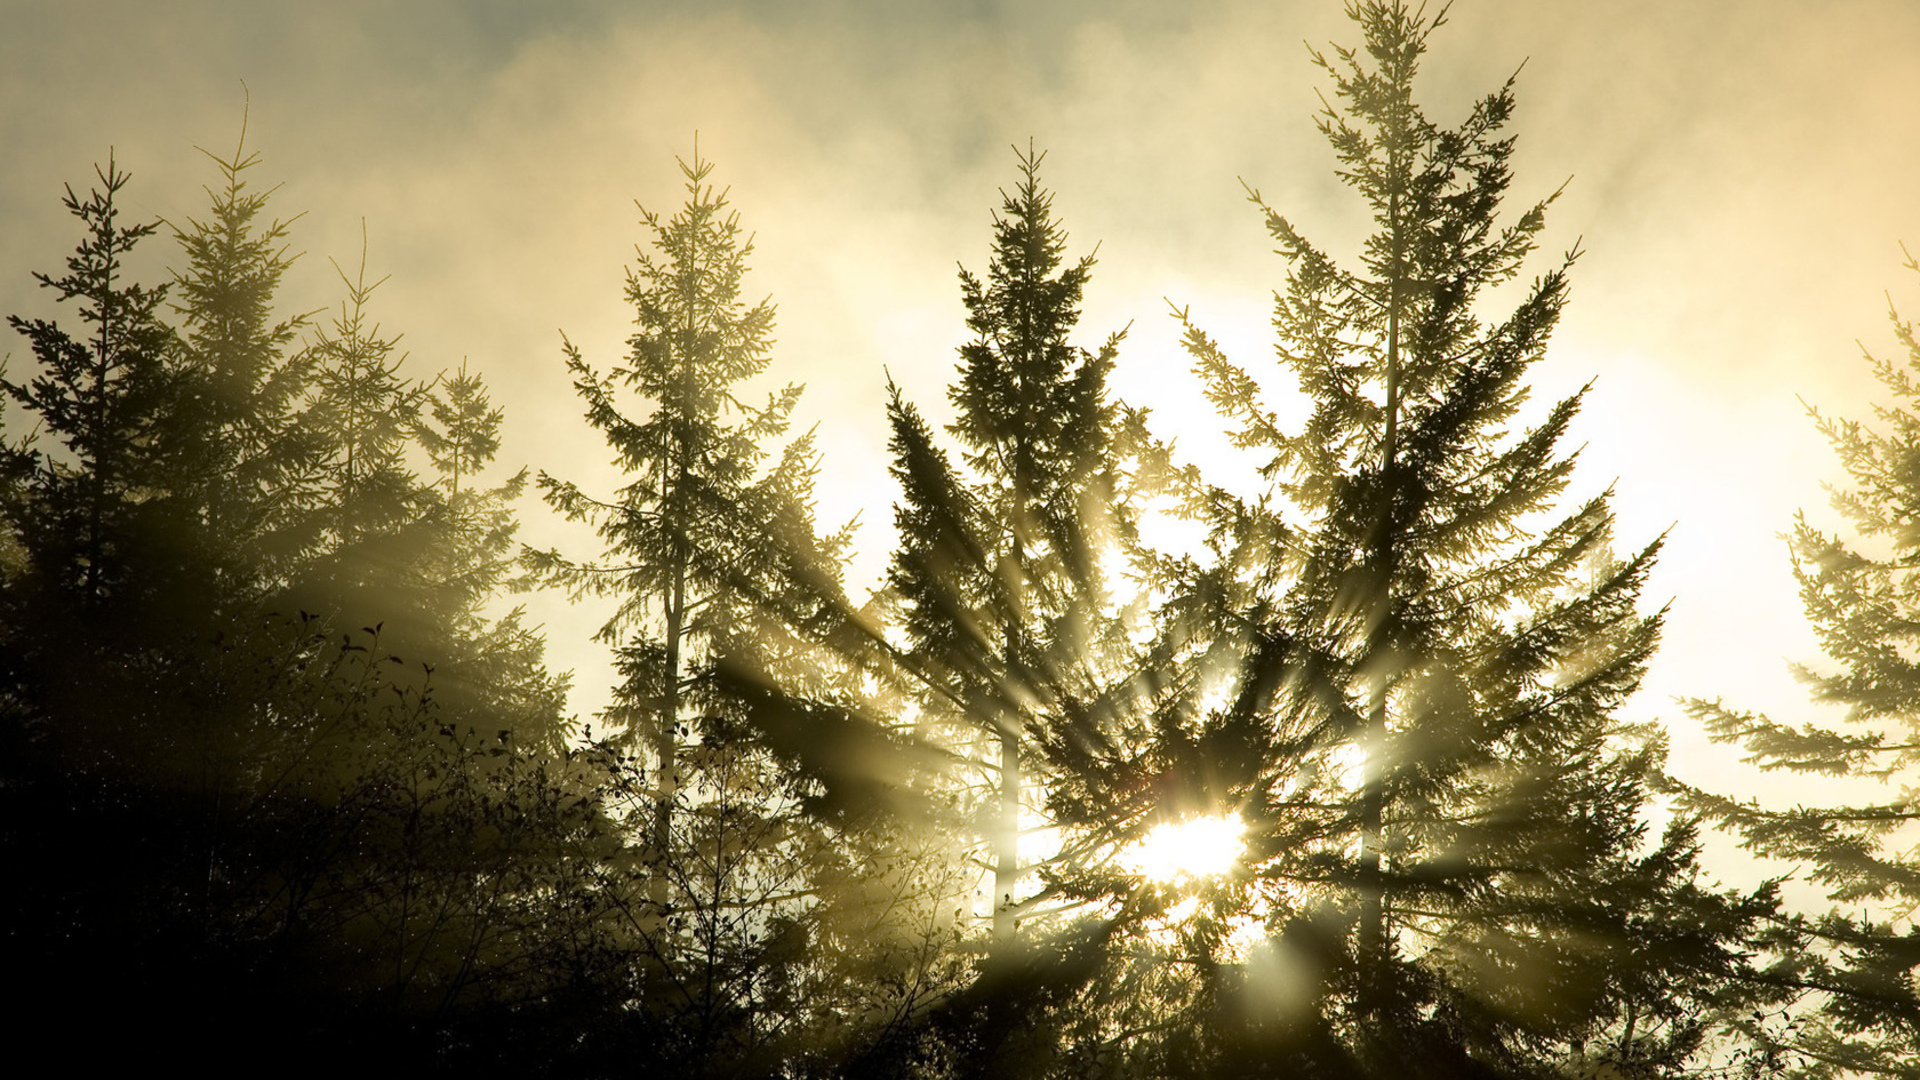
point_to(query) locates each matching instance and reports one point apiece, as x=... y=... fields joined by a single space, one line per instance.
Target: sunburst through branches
x=1191 y=849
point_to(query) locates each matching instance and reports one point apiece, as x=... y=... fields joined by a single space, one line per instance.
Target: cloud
x=1740 y=178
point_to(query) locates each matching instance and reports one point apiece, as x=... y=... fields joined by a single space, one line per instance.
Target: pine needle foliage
x=101 y=395
x=697 y=548
x=1856 y=969
x=460 y=430
x=1002 y=569
x=692 y=453
x=1404 y=665
x=272 y=827
x=365 y=412
x=236 y=420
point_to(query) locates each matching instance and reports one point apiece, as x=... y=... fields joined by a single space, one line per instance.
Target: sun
x=1198 y=847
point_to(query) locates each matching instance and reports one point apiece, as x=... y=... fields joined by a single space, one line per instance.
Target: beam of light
x=1195 y=848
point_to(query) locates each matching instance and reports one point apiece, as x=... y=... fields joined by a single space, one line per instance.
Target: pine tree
x=101 y=396
x=1415 y=712
x=257 y=823
x=669 y=532
x=234 y=433
x=366 y=412
x=1853 y=968
x=107 y=569
x=1001 y=571
x=111 y=773
x=495 y=665
x=460 y=431
x=998 y=653
x=363 y=530
x=694 y=549
x=469 y=432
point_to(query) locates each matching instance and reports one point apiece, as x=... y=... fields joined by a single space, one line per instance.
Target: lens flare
x=1195 y=848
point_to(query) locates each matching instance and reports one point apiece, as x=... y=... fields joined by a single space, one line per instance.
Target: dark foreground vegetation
x=282 y=789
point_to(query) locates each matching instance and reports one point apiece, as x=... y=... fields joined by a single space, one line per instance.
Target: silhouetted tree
x=365 y=412
x=493 y=664
x=99 y=618
x=999 y=653
x=255 y=824
x=100 y=396
x=106 y=542
x=1448 y=847
x=668 y=532
x=1851 y=971
x=426 y=753
x=1001 y=571
x=234 y=432
x=695 y=545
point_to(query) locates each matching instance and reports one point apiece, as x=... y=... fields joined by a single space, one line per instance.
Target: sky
x=1738 y=175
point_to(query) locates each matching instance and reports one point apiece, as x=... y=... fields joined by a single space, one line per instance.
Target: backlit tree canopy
x=1130 y=765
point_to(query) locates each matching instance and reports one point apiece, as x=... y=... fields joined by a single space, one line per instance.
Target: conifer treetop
x=1423 y=653
x=233 y=270
x=688 y=307
x=689 y=445
x=95 y=394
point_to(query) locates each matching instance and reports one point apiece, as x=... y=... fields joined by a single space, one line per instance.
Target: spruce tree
x=468 y=434
x=693 y=549
x=235 y=433
x=266 y=827
x=111 y=773
x=101 y=396
x=1001 y=572
x=1402 y=671
x=997 y=655
x=108 y=575
x=495 y=664
x=364 y=531
x=1853 y=968
x=366 y=411
x=669 y=532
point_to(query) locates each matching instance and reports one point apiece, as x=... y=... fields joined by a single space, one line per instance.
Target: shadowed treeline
x=284 y=789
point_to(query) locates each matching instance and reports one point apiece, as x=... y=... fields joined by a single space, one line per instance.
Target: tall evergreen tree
x=106 y=657
x=365 y=531
x=694 y=545
x=999 y=653
x=496 y=664
x=234 y=432
x=670 y=531
x=100 y=396
x=1002 y=570
x=366 y=411
x=107 y=544
x=254 y=825
x=1855 y=969
x=388 y=805
x=1446 y=831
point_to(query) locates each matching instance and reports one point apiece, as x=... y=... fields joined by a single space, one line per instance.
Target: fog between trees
x=289 y=777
